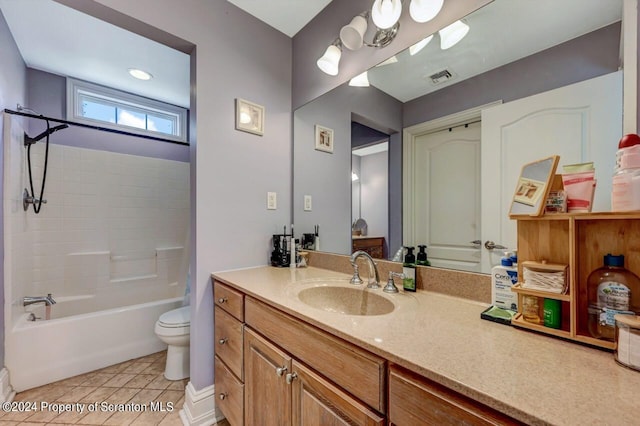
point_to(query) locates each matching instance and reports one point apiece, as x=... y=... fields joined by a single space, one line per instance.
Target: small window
x=101 y=106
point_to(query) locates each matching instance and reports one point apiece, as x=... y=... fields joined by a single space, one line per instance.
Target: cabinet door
x=267 y=394
x=229 y=393
x=414 y=400
x=316 y=402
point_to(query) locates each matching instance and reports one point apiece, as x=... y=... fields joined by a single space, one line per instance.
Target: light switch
x=272 y=203
x=307 y=203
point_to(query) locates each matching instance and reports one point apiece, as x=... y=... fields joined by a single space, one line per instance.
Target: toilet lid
x=180 y=317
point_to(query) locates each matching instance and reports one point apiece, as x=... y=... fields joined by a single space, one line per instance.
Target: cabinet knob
x=281 y=370
x=223 y=341
x=291 y=377
x=222 y=300
x=222 y=396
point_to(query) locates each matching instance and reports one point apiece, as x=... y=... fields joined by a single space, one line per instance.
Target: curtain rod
x=89 y=126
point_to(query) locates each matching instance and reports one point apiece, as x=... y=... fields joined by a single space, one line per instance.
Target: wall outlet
x=272 y=202
x=307 y=203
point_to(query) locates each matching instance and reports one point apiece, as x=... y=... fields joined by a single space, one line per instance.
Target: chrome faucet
x=374 y=279
x=391 y=286
x=47 y=300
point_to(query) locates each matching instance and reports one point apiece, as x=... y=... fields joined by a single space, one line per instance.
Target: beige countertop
x=534 y=378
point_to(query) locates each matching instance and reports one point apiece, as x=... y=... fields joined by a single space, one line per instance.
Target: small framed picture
x=529 y=191
x=324 y=139
x=249 y=117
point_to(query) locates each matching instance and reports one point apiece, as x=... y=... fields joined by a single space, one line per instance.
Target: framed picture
x=249 y=117
x=324 y=139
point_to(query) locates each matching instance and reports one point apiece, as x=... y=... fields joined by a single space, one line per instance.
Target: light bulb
x=452 y=34
x=385 y=13
x=425 y=10
x=330 y=61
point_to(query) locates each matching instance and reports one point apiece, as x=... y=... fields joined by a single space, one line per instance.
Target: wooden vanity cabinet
x=229 y=347
x=415 y=400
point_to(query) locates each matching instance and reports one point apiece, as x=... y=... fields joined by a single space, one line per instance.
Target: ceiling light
x=352 y=35
x=452 y=34
x=329 y=62
x=424 y=10
x=140 y=74
x=419 y=45
x=360 y=80
x=385 y=13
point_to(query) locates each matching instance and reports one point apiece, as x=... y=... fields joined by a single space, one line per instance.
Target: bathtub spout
x=47 y=300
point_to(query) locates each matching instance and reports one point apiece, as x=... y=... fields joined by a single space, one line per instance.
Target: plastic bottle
x=503 y=277
x=611 y=290
x=409 y=270
x=422 y=256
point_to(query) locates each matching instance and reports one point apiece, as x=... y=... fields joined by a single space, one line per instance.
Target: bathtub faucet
x=47 y=300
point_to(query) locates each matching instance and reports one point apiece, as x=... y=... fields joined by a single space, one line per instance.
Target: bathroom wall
x=374 y=187
x=12 y=92
x=237 y=57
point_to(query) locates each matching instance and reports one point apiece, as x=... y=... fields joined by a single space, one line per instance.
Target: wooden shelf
x=539 y=293
x=580 y=240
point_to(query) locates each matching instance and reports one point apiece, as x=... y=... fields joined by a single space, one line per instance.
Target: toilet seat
x=177 y=318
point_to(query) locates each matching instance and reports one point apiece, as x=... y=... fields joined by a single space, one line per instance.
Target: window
x=101 y=106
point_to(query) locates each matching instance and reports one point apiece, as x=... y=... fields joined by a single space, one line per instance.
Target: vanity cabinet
x=579 y=240
x=414 y=400
x=229 y=347
x=374 y=246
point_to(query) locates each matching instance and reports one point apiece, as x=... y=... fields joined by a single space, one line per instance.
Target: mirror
x=496 y=61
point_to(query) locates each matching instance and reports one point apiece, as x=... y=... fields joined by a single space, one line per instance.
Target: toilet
x=173 y=328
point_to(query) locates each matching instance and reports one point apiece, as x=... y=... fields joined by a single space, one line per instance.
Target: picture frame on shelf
x=250 y=117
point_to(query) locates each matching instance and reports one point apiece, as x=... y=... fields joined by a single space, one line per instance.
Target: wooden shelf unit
x=580 y=240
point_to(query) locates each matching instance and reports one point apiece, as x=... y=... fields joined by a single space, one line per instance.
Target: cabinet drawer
x=229 y=393
x=228 y=341
x=229 y=299
x=414 y=400
x=358 y=372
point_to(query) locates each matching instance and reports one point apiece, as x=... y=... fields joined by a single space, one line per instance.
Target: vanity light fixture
x=330 y=61
x=419 y=45
x=425 y=10
x=140 y=74
x=451 y=35
x=386 y=13
x=360 y=80
x=352 y=35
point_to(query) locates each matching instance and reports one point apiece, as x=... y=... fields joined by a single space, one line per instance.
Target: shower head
x=28 y=140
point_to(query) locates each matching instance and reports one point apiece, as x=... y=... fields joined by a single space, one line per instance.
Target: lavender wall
x=47 y=95
x=12 y=92
x=582 y=58
x=310 y=43
x=237 y=57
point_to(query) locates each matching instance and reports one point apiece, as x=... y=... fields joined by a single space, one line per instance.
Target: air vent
x=441 y=76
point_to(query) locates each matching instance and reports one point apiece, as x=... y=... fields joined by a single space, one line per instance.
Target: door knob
x=490 y=245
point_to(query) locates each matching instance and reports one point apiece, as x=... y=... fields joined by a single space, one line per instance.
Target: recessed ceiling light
x=139 y=74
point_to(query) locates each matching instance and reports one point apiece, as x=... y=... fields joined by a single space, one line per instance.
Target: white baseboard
x=6 y=391
x=199 y=407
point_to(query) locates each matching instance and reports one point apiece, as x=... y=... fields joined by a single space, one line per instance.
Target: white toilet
x=173 y=328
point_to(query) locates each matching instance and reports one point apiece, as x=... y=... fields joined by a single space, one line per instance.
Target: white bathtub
x=41 y=352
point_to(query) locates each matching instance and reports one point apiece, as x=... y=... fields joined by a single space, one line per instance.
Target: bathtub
x=73 y=342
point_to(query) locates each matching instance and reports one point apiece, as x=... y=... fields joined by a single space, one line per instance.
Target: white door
x=447 y=191
x=581 y=122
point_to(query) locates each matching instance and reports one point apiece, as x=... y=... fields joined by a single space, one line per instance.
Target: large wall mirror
x=437 y=123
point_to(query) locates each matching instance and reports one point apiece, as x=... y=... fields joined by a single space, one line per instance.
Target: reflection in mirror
x=514 y=49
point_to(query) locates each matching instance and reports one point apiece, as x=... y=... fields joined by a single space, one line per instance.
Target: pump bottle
x=409 y=270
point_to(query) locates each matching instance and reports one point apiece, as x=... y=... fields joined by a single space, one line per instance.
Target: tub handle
x=223 y=341
x=222 y=300
x=222 y=396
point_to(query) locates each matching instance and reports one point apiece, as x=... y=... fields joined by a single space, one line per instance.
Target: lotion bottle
x=409 y=270
x=503 y=277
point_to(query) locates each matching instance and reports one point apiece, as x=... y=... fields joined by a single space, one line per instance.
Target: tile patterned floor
x=128 y=393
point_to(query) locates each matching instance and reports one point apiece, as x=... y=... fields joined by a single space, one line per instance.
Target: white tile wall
x=114 y=224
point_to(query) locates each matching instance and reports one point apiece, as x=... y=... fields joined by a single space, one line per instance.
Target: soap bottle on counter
x=422 y=256
x=409 y=270
x=611 y=289
x=503 y=277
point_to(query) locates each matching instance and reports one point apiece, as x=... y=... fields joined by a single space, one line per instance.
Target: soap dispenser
x=422 y=256
x=409 y=270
